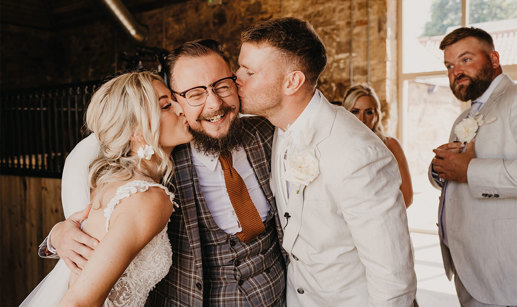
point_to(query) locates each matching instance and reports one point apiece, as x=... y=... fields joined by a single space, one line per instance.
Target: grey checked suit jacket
x=184 y=285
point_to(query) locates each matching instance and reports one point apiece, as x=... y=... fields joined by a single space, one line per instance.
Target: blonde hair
x=118 y=109
x=360 y=90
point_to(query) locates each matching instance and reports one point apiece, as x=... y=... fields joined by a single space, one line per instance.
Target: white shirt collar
x=484 y=98
x=304 y=116
x=209 y=161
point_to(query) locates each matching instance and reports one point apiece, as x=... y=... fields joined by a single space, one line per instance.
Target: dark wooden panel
x=29 y=207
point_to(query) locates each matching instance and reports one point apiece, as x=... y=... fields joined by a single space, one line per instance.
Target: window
x=427 y=106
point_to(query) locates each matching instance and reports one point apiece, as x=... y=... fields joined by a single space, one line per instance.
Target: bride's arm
x=135 y=221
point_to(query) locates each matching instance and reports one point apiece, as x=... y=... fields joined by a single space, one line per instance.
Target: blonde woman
x=362 y=101
x=137 y=125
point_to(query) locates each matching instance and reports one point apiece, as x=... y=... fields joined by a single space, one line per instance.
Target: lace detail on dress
x=150 y=265
x=129 y=189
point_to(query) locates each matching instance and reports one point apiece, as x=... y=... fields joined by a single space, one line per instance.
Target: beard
x=223 y=145
x=477 y=86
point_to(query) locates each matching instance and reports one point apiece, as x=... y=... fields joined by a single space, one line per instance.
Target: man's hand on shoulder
x=451 y=163
x=71 y=243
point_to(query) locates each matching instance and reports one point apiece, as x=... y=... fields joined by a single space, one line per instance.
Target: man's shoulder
x=258 y=124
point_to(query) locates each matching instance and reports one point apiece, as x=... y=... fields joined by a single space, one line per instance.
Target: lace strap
x=129 y=189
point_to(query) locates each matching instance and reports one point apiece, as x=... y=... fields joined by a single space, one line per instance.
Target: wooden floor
x=29 y=207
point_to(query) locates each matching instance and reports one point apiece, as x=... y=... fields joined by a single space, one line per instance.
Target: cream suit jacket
x=481 y=215
x=347 y=235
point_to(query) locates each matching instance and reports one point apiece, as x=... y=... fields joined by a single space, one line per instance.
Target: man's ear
x=494 y=58
x=293 y=82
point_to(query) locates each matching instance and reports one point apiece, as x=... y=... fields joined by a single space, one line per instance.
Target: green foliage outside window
x=447 y=13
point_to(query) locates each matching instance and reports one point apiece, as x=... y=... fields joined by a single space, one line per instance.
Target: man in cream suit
x=335 y=183
x=478 y=206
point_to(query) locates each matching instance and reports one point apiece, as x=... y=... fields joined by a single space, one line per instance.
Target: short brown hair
x=295 y=38
x=195 y=48
x=465 y=32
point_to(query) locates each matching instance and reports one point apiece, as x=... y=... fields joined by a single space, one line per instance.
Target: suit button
x=237 y=262
x=232 y=242
x=294 y=257
x=496 y=195
x=240 y=282
x=300 y=290
x=199 y=286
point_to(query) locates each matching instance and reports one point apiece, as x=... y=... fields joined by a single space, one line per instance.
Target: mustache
x=223 y=110
x=461 y=76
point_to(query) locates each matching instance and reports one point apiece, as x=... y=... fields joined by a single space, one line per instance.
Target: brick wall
x=34 y=58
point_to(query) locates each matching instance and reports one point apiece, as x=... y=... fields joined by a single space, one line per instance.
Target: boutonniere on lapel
x=466 y=129
x=301 y=164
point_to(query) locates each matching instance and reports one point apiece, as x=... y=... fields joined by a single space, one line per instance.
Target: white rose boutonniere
x=301 y=167
x=466 y=129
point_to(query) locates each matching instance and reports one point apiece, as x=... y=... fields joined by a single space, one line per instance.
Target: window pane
x=432 y=109
x=499 y=18
x=424 y=23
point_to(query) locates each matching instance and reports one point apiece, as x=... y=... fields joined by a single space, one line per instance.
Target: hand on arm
x=71 y=243
x=135 y=222
x=452 y=164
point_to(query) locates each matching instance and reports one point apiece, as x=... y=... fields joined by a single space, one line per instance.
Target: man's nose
x=213 y=101
x=238 y=74
x=456 y=70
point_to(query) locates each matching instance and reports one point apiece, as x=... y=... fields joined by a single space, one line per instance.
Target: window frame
x=402 y=105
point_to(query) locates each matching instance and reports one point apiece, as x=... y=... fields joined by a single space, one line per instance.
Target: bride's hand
x=71 y=243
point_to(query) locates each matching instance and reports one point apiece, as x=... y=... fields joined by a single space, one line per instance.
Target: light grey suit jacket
x=481 y=215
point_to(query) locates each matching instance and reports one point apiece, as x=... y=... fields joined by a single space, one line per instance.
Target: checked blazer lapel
x=257 y=144
x=185 y=179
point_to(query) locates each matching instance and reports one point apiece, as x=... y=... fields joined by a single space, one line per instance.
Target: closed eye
x=166 y=106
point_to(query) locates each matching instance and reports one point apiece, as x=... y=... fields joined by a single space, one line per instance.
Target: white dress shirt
x=282 y=141
x=213 y=188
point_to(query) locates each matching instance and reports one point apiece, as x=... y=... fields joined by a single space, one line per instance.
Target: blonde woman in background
x=362 y=101
x=137 y=125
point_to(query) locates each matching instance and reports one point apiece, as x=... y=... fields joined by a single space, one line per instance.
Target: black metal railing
x=39 y=128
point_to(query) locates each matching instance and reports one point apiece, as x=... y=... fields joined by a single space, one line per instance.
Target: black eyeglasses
x=197 y=96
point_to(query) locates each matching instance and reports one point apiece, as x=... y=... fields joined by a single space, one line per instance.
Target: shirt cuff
x=437 y=178
x=50 y=249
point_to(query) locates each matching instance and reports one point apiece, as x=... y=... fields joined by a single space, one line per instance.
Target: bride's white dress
x=143 y=273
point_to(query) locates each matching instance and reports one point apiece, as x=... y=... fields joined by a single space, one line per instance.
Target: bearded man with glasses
x=225 y=234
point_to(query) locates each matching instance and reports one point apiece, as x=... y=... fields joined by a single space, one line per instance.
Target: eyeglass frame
x=205 y=87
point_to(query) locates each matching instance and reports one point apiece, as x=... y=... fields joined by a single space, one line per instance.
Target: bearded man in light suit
x=478 y=205
x=336 y=185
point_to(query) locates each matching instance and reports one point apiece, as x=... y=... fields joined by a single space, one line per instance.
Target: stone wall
x=92 y=52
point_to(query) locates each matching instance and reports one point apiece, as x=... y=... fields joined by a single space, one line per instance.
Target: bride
x=137 y=125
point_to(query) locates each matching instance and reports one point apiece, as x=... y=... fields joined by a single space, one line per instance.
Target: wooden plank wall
x=29 y=207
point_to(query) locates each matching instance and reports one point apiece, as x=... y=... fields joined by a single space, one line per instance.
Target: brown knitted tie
x=247 y=214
